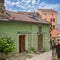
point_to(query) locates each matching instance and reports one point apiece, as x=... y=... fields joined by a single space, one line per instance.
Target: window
x=40 y=28
x=52 y=14
x=7 y=14
x=52 y=20
x=39 y=15
x=53 y=26
x=45 y=13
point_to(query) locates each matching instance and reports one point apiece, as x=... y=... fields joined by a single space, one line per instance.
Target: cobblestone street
x=43 y=56
x=29 y=56
x=33 y=56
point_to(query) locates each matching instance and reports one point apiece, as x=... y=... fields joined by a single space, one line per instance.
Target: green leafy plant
x=6 y=45
x=32 y=50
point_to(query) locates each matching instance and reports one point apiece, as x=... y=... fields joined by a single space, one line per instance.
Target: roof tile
x=15 y=16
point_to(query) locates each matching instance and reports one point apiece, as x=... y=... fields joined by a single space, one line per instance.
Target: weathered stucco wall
x=46 y=37
x=12 y=29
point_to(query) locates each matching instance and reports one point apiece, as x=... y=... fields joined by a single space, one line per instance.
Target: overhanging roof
x=15 y=16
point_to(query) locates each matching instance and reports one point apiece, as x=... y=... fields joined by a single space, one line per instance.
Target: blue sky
x=32 y=5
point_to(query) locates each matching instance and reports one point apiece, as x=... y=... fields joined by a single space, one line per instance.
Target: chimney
x=2 y=8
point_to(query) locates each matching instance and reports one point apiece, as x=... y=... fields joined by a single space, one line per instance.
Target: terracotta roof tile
x=48 y=10
x=15 y=16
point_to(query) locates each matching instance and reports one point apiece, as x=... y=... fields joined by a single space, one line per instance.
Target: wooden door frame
x=22 y=47
x=26 y=41
x=42 y=41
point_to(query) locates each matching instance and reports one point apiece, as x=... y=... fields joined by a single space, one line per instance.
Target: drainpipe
x=32 y=35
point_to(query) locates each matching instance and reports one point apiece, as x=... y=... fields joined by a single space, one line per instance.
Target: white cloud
x=9 y=3
x=24 y=4
x=49 y=6
x=26 y=1
x=10 y=9
x=30 y=5
x=33 y=2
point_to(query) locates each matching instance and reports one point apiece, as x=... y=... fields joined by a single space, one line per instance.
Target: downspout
x=32 y=35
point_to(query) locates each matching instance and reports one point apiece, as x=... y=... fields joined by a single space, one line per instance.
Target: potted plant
x=32 y=50
x=6 y=46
